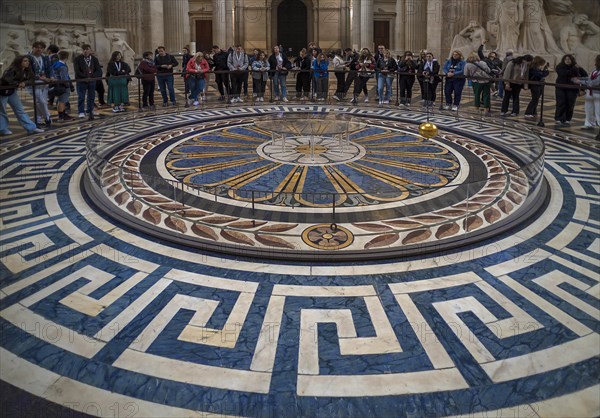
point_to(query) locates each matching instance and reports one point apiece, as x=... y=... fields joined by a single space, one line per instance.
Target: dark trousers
x=536 y=93
x=406 y=85
x=303 y=83
x=100 y=90
x=428 y=91
x=148 y=93
x=349 y=80
x=222 y=80
x=341 y=83
x=454 y=86
x=258 y=86
x=515 y=91
x=361 y=85
x=237 y=79
x=565 y=103
x=83 y=88
x=245 y=83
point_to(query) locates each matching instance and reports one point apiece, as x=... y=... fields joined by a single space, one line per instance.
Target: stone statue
x=559 y=7
x=535 y=34
x=118 y=44
x=11 y=50
x=79 y=38
x=572 y=37
x=509 y=19
x=469 y=39
x=62 y=40
x=42 y=35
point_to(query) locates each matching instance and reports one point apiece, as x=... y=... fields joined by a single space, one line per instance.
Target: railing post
x=397 y=89
x=442 y=94
x=541 y=121
x=139 y=82
x=34 y=102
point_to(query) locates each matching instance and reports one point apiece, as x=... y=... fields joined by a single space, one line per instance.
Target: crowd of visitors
x=44 y=73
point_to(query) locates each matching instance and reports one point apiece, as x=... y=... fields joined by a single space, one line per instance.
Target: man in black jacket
x=164 y=64
x=85 y=66
x=222 y=79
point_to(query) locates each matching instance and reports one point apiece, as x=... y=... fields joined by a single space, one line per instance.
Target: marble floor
x=101 y=318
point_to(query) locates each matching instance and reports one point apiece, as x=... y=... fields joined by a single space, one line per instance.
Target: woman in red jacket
x=196 y=74
x=148 y=70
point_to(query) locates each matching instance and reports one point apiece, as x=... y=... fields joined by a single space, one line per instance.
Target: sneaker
x=173 y=103
x=447 y=107
x=529 y=117
x=196 y=103
x=285 y=99
x=386 y=102
x=82 y=115
x=567 y=123
x=6 y=132
x=276 y=98
x=35 y=131
x=335 y=97
x=455 y=108
x=503 y=113
x=366 y=100
x=116 y=109
x=66 y=117
x=240 y=100
x=165 y=104
x=353 y=101
x=514 y=115
x=95 y=114
x=321 y=99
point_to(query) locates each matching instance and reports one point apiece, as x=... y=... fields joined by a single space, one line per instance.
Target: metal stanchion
x=442 y=94
x=34 y=103
x=541 y=122
x=397 y=90
x=139 y=82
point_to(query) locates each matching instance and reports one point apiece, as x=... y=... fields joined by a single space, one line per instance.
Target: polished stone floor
x=107 y=320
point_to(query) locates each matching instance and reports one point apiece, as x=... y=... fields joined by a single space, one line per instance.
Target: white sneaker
x=36 y=131
x=6 y=132
x=196 y=103
x=240 y=100
x=446 y=107
x=285 y=99
x=98 y=114
x=82 y=115
x=454 y=108
x=366 y=100
x=386 y=102
x=381 y=102
x=336 y=97
x=276 y=98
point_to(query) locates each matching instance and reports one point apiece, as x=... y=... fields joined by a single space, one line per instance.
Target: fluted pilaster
x=218 y=24
x=126 y=14
x=177 y=24
x=415 y=28
x=366 y=24
x=399 y=36
x=229 y=16
x=355 y=24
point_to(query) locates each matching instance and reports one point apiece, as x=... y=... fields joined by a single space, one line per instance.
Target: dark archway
x=292 y=26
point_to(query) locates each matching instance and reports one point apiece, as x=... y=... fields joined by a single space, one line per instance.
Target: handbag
x=58 y=89
x=6 y=92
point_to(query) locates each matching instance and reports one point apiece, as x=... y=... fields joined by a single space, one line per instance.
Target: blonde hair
x=197 y=55
x=473 y=57
x=460 y=54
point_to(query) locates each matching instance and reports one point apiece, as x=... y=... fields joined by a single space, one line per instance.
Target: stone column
x=355 y=22
x=366 y=25
x=399 y=37
x=415 y=28
x=177 y=24
x=435 y=33
x=229 y=35
x=125 y=14
x=218 y=23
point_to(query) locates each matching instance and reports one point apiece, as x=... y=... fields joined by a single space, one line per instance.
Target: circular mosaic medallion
x=327 y=237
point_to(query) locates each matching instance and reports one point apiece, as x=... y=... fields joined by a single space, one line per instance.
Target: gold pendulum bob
x=428 y=130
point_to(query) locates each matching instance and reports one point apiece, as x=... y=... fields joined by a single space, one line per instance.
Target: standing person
x=116 y=70
x=85 y=66
x=303 y=65
x=260 y=75
x=454 y=68
x=482 y=80
x=492 y=61
x=387 y=67
x=221 y=74
x=515 y=78
x=148 y=72
x=185 y=58
x=238 y=65
x=428 y=77
x=164 y=64
x=365 y=67
x=592 y=98
x=52 y=52
x=339 y=66
x=351 y=59
x=566 y=96
x=321 y=76
x=251 y=60
x=408 y=66
x=62 y=90
x=18 y=73
x=507 y=58
x=99 y=86
x=43 y=72
x=376 y=57
x=196 y=71
x=537 y=72
x=279 y=66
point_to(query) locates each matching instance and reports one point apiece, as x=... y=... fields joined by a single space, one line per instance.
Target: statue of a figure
x=469 y=39
x=559 y=7
x=62 y=40
x=79 y=38
x=42 y=35
x=509 y=19
x=535 y=35
x=572 y=40
x=118 y=44
x=11 y=50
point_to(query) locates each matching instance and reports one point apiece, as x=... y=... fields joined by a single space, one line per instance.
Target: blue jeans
x=279 y=79
x=164 y=82
x=84 y=87
x=15 y=103
x=500 y=88
x=454 y=85
x=196 y=86
x=384 y=80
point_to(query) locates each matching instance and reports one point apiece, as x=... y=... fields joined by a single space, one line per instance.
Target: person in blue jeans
x=321 y=76
x=454 y=68
x=86 y=67
x=387 y=67
x=279 y=65
x=164 y=64
x=17 y=74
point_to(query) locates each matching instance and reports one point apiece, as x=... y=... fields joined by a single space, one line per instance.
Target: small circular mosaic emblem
x=326 y=237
